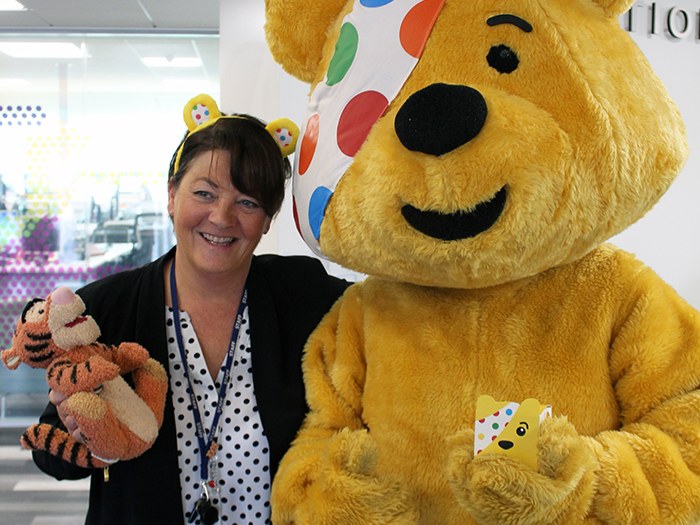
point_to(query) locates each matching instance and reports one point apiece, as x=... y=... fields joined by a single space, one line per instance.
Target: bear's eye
x=503 y=59
x=521 y=430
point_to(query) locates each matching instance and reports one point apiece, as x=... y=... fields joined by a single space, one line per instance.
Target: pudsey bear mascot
x=472 y=157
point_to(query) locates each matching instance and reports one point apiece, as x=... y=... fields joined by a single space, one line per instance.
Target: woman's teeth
x=217 y=240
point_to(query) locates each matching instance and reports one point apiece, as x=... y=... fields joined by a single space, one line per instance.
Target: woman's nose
x=223 y=213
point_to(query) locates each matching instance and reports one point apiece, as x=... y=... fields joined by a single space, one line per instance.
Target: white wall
x=667 y=238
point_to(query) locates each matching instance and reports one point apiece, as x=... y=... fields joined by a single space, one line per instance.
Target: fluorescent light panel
x=42 y=50
x=13 y=83
x=11 y=5
x=172 y=62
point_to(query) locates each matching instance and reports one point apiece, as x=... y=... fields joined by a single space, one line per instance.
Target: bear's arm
x=327 y=476
x=650 y=467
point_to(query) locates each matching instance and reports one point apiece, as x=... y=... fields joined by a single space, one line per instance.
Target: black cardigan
x=288 y=296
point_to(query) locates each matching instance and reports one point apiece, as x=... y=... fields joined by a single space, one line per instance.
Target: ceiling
x=121 y=15
x=116 y=35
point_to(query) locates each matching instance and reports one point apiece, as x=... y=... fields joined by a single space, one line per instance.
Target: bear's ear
x=614 y=8
x=296 y=32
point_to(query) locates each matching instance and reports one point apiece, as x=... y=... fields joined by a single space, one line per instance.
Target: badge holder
x=205 y=509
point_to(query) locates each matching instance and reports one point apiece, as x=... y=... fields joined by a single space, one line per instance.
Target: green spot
x=345 y=51
x=495 y=426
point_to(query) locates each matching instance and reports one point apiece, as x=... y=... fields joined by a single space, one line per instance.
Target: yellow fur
x=586 y=140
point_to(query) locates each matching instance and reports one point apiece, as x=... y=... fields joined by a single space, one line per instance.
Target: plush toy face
x=527 y=133
x=48 y=328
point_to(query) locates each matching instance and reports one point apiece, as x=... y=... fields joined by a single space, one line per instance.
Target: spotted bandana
x=386 y=36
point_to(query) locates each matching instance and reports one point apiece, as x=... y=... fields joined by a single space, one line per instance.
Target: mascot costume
x=472 y=157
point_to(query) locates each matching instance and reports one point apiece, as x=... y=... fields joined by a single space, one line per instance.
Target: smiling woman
x=229 y=326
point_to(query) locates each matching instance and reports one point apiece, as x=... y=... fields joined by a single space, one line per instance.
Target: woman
x=227 y=325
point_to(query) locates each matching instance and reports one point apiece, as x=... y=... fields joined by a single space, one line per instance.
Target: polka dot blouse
x=241 y=467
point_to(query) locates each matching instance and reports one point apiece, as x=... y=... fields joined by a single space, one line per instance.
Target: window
x=88 y=124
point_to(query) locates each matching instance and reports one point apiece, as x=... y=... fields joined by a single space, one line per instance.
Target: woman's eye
x=203 y=194
x=503 y=59
x=250 y=204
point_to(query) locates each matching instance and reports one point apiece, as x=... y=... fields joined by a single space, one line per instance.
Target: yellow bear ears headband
x=202 y=111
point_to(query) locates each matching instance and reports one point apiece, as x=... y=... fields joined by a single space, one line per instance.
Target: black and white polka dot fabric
x=241 y=466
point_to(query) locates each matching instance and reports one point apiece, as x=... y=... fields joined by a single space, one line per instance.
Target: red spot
x=496 y=412
x=481 y=420
x=357 y=120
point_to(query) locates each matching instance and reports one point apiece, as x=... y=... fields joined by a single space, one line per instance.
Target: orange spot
x=416 y=27
x=308 y=143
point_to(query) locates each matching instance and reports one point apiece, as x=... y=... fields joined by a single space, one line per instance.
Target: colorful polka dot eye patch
x=377 y=35
x=202 y=111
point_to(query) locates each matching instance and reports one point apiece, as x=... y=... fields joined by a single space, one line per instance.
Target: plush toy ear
x=296 y=31
x=614 y=8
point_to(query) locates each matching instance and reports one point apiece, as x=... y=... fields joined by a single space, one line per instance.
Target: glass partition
x=88 y=124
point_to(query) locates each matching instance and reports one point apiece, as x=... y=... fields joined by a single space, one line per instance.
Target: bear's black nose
x=440 y=118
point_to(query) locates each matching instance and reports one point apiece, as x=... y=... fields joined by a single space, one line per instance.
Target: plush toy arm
x=499 y=490
x=68 y=376
x=129 y=356
x=650 y=468
x=328 y=476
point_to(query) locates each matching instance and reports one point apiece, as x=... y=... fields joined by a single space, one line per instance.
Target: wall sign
x=673 y=22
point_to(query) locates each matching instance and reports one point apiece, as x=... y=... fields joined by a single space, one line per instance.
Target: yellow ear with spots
x=286 y=133
x=200 y=110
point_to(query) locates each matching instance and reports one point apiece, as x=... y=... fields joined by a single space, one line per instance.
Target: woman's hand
x=68 y=421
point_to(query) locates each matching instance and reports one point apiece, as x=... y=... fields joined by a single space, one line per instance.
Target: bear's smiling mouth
x=458 y=225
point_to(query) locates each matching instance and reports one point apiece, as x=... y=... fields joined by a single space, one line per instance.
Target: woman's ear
x=171 y=199
x=268 y=223
x=296 y=32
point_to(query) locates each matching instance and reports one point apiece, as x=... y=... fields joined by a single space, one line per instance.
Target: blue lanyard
x=206 y=447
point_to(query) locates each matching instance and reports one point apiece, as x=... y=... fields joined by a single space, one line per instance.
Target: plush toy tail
x=59 y=443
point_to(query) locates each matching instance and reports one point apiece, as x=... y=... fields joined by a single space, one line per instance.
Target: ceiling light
x=11 y=5
x=172 y=61
x=13 y=83
x=43 y=49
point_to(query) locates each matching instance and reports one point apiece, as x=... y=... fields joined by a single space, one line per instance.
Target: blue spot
x=375 y=3
x=509 y=412
x=317 y=209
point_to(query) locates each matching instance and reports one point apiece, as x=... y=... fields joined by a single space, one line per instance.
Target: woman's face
x=216 y=226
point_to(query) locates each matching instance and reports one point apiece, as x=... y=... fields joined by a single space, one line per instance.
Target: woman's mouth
x=218 y=241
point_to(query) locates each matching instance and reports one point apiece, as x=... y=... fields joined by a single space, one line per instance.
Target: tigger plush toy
x=472 y=158
x=116 y=421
